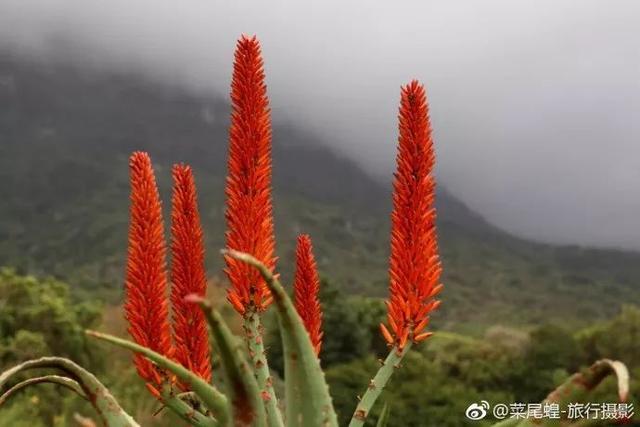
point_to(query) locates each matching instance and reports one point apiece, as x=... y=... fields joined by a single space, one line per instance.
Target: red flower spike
x=306 y=286
x=414 y=268
x=188 y=276
x=249 y=211
x=146 y=307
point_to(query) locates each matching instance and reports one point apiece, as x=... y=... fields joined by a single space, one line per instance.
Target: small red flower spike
x=188 y=277
x=249 y=211
x=414 y=268
x=146 y=307
x=306 y=287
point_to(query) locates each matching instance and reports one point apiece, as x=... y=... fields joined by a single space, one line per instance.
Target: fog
x=535 y=104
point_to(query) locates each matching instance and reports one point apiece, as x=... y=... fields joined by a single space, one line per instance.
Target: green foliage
x=617 y=339
x=418 y=392
x=353 y=322
x=436 y=382
x=37 y=318
x=439 y=380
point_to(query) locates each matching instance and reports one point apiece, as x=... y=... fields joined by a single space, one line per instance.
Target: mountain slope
x=65 y=136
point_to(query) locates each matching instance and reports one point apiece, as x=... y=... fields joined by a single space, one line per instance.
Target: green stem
x=377 y=384
x=186 y=412
x=255 y=342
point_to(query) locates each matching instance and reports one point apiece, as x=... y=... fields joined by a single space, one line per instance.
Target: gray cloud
x=535 y=103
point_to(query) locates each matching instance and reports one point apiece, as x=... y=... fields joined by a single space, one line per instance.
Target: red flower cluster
x=188 y=276
x=306 y=287
x=249 y=212
x=414 y=263
x=146 y=305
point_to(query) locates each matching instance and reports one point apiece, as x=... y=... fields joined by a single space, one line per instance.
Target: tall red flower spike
x=414 y=268
x=188 y=276
x=306 y=287
x=146 y=306
x=249 y=211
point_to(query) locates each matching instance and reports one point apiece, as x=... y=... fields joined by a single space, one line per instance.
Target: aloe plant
x=242 y=403
x=173 y=355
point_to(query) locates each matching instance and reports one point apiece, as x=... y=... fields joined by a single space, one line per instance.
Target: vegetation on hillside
x=504 y=365
x=65 y=135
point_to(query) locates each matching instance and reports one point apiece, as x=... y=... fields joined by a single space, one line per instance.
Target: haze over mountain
x=65 y=137
x=535 y=103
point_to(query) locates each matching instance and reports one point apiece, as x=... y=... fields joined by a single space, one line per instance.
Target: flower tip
x=181 y=168
x=436 y=290
x=422 y=337
x=386 y=334
x=139 y=156
x=236 y=303
x=194 y=299
x=154 y=391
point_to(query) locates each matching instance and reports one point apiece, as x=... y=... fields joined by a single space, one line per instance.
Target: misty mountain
x=65 y=137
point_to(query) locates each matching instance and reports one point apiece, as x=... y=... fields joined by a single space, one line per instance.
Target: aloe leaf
x=65 y=382
x=215 y=401
x=244 y=393
x=308 y=403
x=582 y=383
x=576 y=389
x=384 y=416
x=110 y=412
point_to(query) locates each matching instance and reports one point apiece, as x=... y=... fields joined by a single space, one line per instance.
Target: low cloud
x=535 y=104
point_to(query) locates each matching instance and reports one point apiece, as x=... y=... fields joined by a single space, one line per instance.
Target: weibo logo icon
x=477 y=411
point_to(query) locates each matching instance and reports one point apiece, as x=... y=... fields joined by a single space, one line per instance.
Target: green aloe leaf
x=65 y=382
x=308 y=403
x=244 y=393
x=215 y=401
x=109 y=411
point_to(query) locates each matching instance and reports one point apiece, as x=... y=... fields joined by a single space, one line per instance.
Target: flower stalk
x=249 y=212
x=377 y=384
x=414 y=266
x=255 y=341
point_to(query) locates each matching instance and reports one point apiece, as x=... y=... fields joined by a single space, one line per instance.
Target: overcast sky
x=535 y=104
